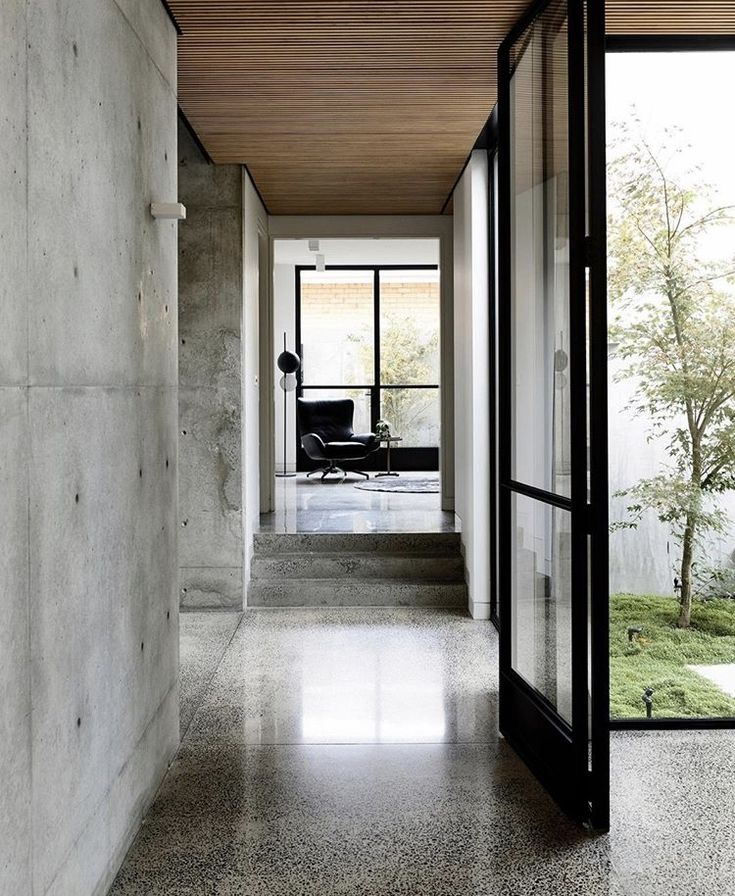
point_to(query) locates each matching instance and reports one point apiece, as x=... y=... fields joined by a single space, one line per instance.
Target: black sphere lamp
x=289 y=364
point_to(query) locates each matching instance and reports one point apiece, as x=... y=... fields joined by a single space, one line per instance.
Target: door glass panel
x=337 y=327
x=361 y=397
x=409 y=327
x=413 y=414
x=540 y=395
x=541 y=594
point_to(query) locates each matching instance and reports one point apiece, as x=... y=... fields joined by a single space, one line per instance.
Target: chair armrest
x=313 y=445
x=368 y=439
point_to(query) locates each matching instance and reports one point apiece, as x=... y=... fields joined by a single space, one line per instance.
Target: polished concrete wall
x=88 y=421
x=210 y=400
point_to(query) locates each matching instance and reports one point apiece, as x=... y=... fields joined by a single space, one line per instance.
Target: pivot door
x=552 y=394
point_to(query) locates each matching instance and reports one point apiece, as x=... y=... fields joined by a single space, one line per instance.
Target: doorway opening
x=364 y=318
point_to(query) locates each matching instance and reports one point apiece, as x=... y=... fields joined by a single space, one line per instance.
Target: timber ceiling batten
x=363 y=106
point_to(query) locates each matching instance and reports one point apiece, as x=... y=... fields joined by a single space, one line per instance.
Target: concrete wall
x=88 y=384
x=210 y=400
x=471 y=378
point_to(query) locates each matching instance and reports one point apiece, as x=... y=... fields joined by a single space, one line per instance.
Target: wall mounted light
x=168 y=211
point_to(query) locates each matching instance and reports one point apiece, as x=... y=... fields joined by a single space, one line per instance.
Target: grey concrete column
x=88 y=421
x=210 y=396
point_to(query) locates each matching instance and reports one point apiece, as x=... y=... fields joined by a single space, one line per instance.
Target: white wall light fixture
x=168 y=211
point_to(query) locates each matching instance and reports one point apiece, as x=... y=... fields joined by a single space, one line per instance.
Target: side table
x=389 y=440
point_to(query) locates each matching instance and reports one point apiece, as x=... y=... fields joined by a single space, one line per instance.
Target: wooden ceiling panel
x=364 y=106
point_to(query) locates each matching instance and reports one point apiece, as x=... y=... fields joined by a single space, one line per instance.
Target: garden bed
x=658 y=657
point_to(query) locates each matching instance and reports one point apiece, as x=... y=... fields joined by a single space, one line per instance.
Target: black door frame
x=423 y=458
x=572 y=761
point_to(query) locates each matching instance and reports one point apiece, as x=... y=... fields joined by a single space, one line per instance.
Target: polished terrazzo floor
x=308 y=505
x=351 y=751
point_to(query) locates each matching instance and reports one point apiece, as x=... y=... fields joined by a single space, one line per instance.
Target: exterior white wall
x=88 y=423
x=644 y=560
x=471 y=378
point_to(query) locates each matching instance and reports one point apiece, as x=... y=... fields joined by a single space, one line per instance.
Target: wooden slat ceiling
x=364 y=106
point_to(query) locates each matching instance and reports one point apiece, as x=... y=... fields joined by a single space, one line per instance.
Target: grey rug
x=427 y=486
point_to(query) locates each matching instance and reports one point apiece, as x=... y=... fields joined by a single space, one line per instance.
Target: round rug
x=424 y=486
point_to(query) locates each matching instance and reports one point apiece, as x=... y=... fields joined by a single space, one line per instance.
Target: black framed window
x=372 y=333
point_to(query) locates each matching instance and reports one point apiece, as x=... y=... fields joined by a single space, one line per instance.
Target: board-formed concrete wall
x=210 y=396
x=88 y=423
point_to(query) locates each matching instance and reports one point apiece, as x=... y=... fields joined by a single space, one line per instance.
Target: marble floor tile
x=284 y=786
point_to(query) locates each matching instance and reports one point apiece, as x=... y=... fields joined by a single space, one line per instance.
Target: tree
x=675 y=323
x=408 y=356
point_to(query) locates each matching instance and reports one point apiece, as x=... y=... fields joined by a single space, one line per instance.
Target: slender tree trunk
x=687 y=558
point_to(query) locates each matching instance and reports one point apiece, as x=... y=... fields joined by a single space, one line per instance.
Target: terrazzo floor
x=351 y=751
x=309 y=505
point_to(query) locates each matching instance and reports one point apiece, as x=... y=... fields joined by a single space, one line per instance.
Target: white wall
x=88 y=426
x=254 y=234
x=471 y=378
x=284 y=315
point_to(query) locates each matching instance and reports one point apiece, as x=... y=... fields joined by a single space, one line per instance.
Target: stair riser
x=342 y=594
x=431 y=543
x=314 y=566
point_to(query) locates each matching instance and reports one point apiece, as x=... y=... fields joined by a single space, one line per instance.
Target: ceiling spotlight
x=320 y=262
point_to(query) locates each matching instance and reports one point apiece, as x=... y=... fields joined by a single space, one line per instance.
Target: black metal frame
x=668 y=43
x=557 y=752
x=401 y=458
x=679 y=43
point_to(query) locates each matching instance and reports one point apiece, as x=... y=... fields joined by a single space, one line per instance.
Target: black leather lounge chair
x=327 y=435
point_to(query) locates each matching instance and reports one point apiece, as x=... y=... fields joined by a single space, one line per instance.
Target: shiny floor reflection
x=354 y=676
x=356 y=752
x=309 y=505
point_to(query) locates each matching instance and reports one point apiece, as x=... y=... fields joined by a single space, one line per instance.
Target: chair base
x=333 y=468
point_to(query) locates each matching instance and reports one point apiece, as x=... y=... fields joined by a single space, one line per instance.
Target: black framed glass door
x=371 y=333
x=552 y=381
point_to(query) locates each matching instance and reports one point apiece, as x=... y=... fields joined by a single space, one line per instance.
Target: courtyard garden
x=659 y=655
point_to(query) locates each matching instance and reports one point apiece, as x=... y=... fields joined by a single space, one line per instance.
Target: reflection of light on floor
x=365 y=695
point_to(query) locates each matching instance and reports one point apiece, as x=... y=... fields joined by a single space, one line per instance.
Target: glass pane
x=541 y=583
x=413 y=414
x=361 y=397
x=540 y=257
x=409 y=327
x=337 y=327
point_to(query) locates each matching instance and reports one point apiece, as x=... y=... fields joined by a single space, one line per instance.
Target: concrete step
x=407 y=543
x=343 y=565
x=355 y=593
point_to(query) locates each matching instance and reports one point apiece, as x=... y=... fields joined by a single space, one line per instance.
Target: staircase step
x=355 y=593
x=407 y=543
x=363 y=566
